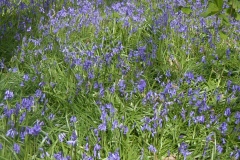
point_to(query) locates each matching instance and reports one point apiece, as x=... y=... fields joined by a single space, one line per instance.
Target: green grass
x=64 y=95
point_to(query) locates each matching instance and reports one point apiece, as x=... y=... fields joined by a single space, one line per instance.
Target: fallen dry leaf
x=170 y=158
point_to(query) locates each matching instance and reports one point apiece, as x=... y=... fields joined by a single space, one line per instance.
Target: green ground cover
x=147 y=79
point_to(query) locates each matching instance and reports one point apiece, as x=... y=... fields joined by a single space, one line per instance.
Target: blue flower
x=36 y=129
x=227 y=112
x=219 y=149
x=122 y=85
x=73 y=119
x=61 y=137
x=114 y=124
x=96 y=150
x=152 y=149
x=8 y=95
x=73 y=140
x=223 y=127
x=114 y=156
x=183 y=150
x=141 y=85
x=11 y=133
x=16 y=148
x=27 y=103
x=237 y=117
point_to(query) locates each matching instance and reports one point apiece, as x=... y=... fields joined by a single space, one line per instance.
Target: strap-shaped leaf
x=211 y=10
x=219 y=3
x=235 y=4
x=186 y=10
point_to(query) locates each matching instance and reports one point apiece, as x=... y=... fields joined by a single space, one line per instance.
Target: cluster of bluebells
x=88 y=67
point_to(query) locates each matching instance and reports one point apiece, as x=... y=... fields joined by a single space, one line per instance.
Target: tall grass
x=117 y=80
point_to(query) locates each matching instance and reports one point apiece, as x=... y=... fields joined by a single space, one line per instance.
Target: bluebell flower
x=183 y=150
x=96 y=85
x=223 y=127
x=60 y=156
x=228 y=51
x=168 y=73
x=73 y=119
x=90 y=74
x=200 y=79
x=183 y=113
x=96 y=150
x=1 y=146
x=41 y=84
x=87 y=64
x=26 y=77
x=229 y=82
x=8 y=95
x=237 y=117
x=86 y=148
x=203 y=59
x=219 y=149
x=152 y=149
x=141 y=85
x=223 y=141
x=101 y=91
x=27 y=103
x=73 y=140
x=209 y=137
x=227 y=112
x=36 y=129
x=61 y=137
x=11 y=133
x=22 y=117
x=114 y=124
x=200 y=119
x=23 y=134
x=16 y=148
x=102 y=126
x=112 y=89
x=125 y=130
x=7 y=112
x=114 y=156
x=43 y=153
x=51 y=116
x=122 y=85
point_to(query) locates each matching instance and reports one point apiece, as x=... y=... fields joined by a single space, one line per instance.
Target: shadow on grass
x=17 y=21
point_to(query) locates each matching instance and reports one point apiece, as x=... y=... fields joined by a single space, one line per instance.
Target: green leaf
x=224 y=18
x=235 y=4
x=232 y=12
x=211 y=10
x=186 y=10
x=237 y=17
x=219 y=3
x=223 y=35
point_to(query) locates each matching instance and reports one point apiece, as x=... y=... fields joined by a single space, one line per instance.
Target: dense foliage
x=136 y=79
